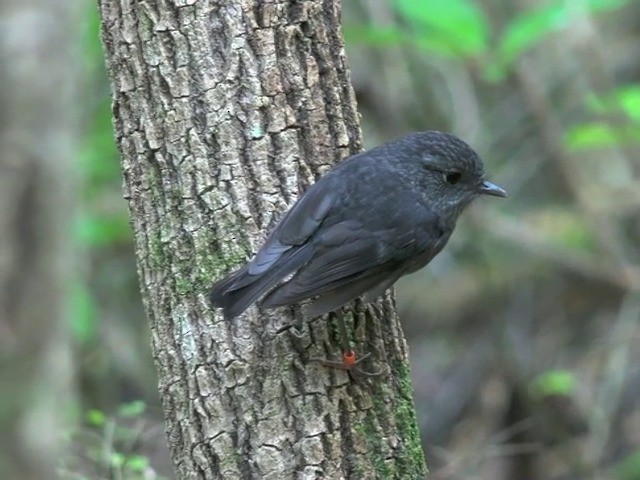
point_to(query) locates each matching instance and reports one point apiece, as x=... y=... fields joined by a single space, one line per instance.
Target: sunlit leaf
x=528 y=28
x=622 y=99
x=590 y=135
x=553 y=382
x=96 y=418
x=117 y=459
x=449 y=27
x=137 y=463
x=629 y=101
x=132 y=409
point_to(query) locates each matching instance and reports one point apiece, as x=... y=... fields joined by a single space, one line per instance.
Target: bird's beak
x=488 y=188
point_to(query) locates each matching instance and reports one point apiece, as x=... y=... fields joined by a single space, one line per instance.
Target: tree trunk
x=224 y=112
x=38 y=132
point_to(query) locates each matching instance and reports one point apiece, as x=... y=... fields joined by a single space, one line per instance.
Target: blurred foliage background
x=524 y=332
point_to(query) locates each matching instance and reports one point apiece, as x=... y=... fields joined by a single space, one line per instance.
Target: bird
x=374 y=217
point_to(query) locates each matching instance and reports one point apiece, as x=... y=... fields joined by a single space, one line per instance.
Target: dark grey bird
x=374 y=217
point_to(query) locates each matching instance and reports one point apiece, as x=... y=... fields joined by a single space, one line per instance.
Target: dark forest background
x=524 y=333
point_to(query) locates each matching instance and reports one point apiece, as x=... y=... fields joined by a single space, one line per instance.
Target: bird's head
x=448 y=171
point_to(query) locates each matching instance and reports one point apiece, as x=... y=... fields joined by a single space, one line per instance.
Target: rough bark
x=37 y=136
x=224 y=111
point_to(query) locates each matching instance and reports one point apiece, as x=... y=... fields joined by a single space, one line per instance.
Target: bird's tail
x=236 y=292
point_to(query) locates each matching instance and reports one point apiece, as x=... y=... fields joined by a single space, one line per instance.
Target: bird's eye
x=452 y=177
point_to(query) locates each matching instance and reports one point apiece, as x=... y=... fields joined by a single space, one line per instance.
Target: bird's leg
x=350 y=360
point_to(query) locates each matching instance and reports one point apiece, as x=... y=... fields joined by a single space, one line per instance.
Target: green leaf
x=528 y=28
x=629 y=467
x=117 y=459
x=600 y=134
x=590 y=135
x=92 y=47
x=622 y=99
x=553 y=382
x=137 y=463
x=629 y=101
x=449 y=27
x=132 y=409
x=83 y=316
x=96 y=418
x=102 y=231
x=98 y=157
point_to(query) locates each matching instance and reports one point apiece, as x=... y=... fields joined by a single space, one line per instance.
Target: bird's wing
x=286 y=249
x=300 y=222
x=284 y=252
x=350 y=260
